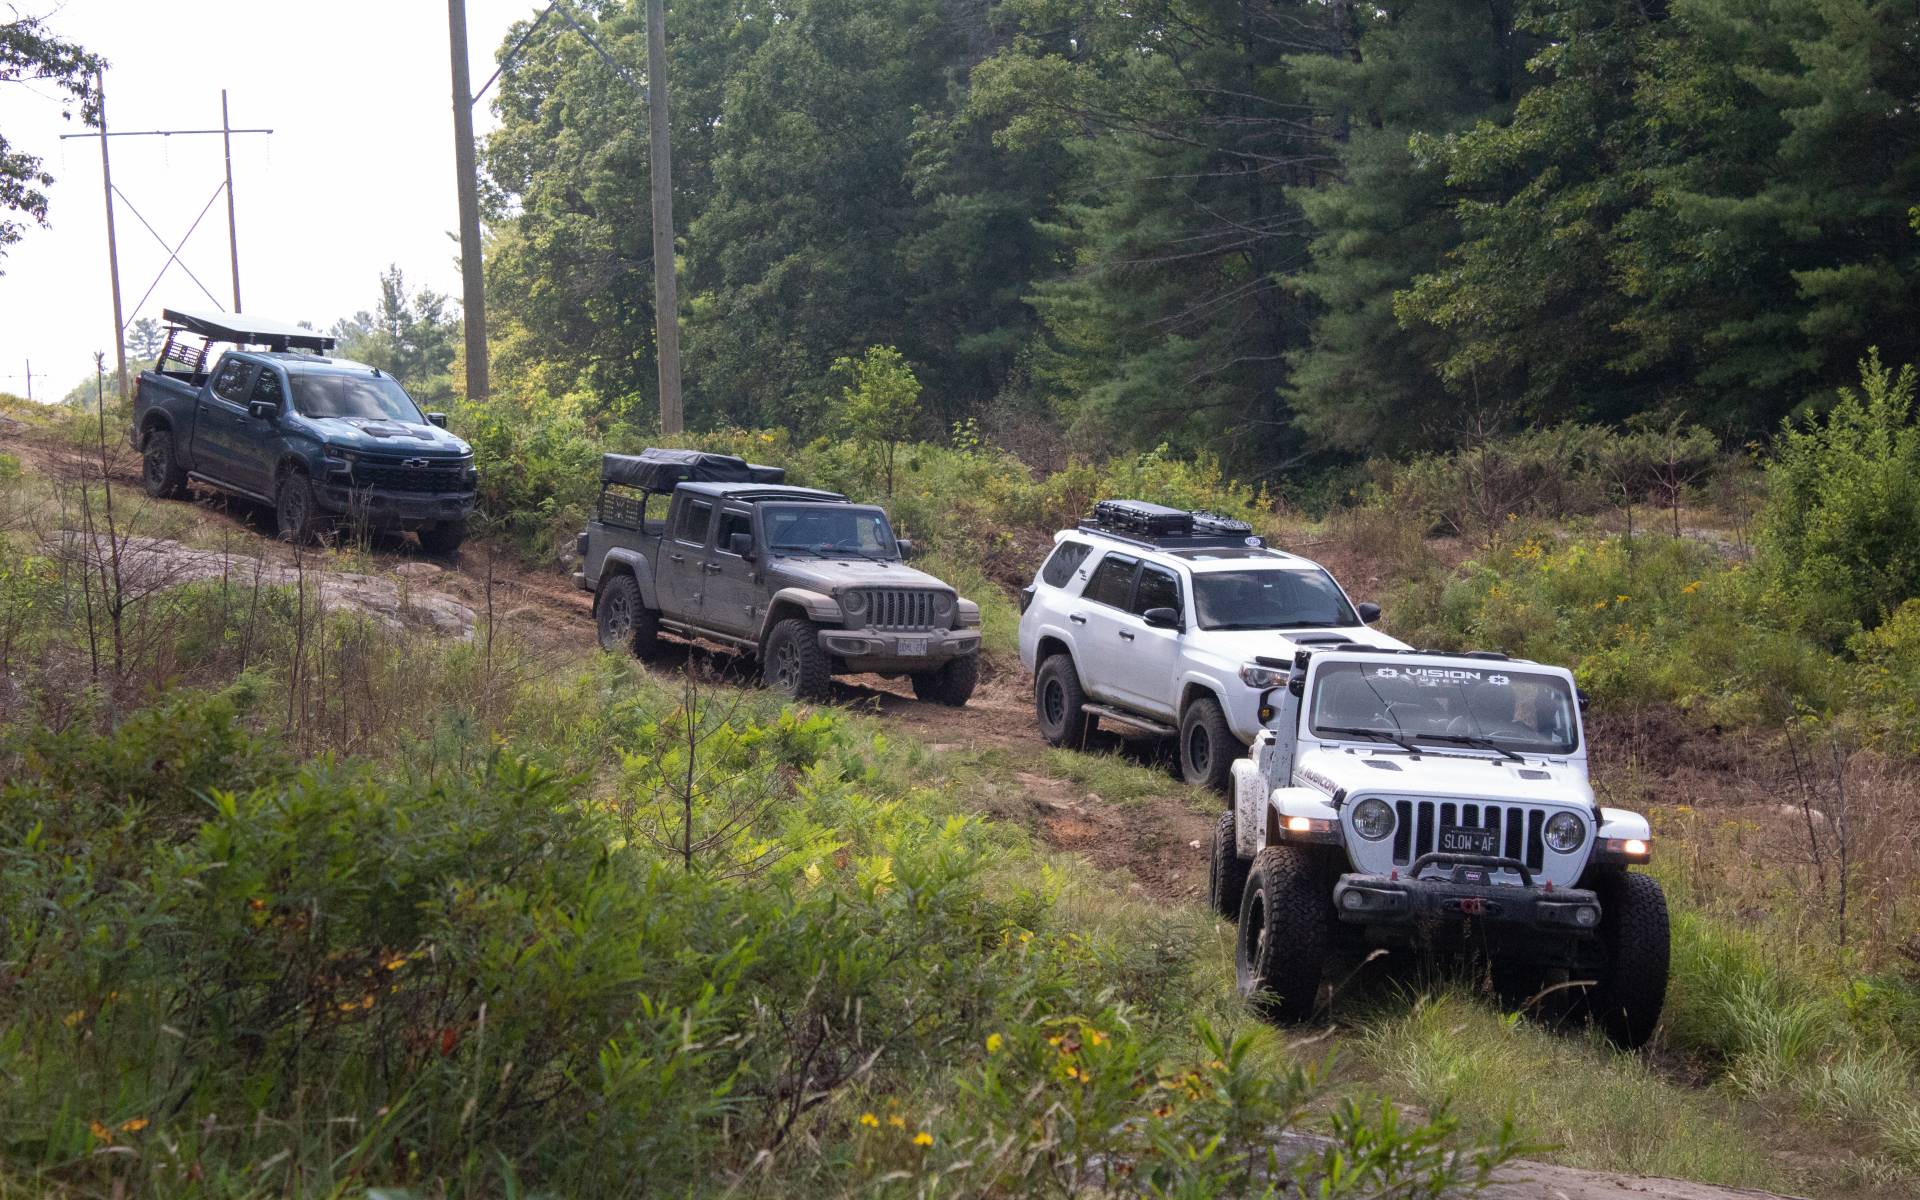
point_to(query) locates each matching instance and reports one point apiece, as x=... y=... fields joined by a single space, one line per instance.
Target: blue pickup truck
x=323 y=440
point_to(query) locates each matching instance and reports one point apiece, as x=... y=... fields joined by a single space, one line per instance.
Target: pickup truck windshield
x=1269 y=599
x=828 y=529
x=1498 y=707
x=365 y=396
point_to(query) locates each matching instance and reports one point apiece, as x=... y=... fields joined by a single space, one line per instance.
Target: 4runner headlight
x=1256 y=676
x=1564 y=832
x=1373 y=819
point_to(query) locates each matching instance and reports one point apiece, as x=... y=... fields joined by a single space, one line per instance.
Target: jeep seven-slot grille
x=435 y=475
x=1418 y=830
x=897 y=608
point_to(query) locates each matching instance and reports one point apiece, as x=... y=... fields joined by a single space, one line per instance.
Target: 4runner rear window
x=1066 y=559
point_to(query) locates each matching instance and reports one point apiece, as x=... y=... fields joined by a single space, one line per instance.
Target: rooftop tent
x=663 y=470
x=248 y=330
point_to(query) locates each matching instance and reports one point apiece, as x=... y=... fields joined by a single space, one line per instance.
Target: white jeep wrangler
x=1424 y=800
x=1153 y=620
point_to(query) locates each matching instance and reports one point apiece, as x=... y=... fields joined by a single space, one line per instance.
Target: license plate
x=913 y=647
x=1456 y=839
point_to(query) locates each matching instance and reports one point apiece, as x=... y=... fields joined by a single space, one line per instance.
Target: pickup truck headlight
x=349 y=456
x=1256 y=676
x=1564 y=832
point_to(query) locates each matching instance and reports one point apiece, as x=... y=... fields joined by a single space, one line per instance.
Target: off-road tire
x=794 y=663
x=1226 y=870
x=1207 y=746
x=625 y=623
x=1286 y=934
x=159 y=471
x=1632 y=990
x=293 y=508
x=1060 y=705
x=442 y=540
x=951 y=685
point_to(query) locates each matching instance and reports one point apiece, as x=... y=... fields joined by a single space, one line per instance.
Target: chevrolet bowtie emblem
x=416 y=462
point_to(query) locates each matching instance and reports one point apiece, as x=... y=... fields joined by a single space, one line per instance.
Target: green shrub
x=1886 y=679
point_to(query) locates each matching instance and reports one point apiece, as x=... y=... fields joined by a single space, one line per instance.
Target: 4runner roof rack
x=1161 y=527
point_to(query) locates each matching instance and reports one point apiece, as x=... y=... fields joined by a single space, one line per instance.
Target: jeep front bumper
x=1459 y=891
x=888 y=650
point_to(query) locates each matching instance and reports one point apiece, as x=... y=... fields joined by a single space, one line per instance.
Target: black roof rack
x=1165 y=528
x=248 y=330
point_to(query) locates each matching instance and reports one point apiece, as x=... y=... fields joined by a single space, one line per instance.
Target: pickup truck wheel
x=951 y=685
x=293 y=508
x=1060 y=704
x=1286 y=933
x=794 y=663
x=1207 y=745
x=626 y=624
x=1226 y=871
x=160 y=472
x=443 y=539
x=1633 y=985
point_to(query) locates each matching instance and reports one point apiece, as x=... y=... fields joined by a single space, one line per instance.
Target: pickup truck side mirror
x=740 y=544
x=907 y=548
x=1161 y=618
x=1369 y=611
x=439 y=419
x=262 y=409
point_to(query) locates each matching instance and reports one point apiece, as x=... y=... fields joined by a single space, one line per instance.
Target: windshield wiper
x=1478 y=741
x=1377 y=734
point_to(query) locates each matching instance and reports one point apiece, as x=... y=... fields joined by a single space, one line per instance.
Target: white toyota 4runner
x=1153 y=620
x=1438 y=801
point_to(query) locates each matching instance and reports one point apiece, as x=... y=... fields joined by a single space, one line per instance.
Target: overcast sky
x=357 y=174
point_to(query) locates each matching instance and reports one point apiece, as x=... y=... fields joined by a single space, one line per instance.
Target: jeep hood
x=1245 y=645
x=835 y=574
x=1444 y=775
x=384 y=436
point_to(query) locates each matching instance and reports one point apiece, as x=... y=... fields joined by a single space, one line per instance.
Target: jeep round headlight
x=1373 y=819
x=853 y=602
x=1564 y=832
x=942 y=606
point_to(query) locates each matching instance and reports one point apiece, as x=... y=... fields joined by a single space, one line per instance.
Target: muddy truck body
x=710 y=546
x=275 y=419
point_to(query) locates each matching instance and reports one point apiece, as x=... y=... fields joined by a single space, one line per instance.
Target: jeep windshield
x=1506 y=709
x=1270 y=599
x=368 y=397
x=828 y=529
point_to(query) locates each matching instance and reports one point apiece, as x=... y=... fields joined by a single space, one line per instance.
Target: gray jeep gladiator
x=711 y=546
x=321 y=439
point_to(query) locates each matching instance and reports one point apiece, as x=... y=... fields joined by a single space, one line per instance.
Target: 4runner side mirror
x=261 y=409
x=907 y=548
x=1369 y=611
x=1161 y=618
x=740 y=544
x=439 y=419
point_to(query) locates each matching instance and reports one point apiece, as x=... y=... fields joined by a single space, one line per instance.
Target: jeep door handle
x=1125 y=636
x=710 y=568
x=1076 y=618
x=676 y=558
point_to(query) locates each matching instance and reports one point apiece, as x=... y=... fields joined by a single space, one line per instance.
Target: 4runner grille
x=1418 y=830
x=897 y=608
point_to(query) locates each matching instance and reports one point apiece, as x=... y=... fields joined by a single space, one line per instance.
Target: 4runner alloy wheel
x=1634 y=931
x=1207 y=745
x=293 y=508
x=626 y=625
x=794 y=663
x=162 y=476
x=1286 y=933
x=951 y=685
x=1060 y=704
x=1226 y=871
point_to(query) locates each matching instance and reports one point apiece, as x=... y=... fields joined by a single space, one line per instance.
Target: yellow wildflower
x=869 y=1120
x=1599 y=604
x=923 y=1138
x=1691 y=588
x=1096 y=1037
x=993 y=1043
x=1622 y=599
x=396 y=962
x=75 y=1017
x=897 y=1121
x=100 y=1131
x=133 y=1125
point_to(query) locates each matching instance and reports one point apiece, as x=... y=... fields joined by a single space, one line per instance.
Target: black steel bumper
x=1459 y=888
x=380 y=506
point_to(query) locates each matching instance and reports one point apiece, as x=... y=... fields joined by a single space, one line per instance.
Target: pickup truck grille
x=436 y=475
x=897 y=608
x=1418 y=830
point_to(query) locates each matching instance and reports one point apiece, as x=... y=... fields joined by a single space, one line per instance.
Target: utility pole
x=666 y=290
x=472 y=279
x=233 y=232
x=113 y=247
x=29 y=381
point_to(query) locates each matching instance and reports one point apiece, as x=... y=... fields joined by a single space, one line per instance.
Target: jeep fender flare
x=1623 y=823
x=817 y=607
x=1267 y=813
x=627 y=562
